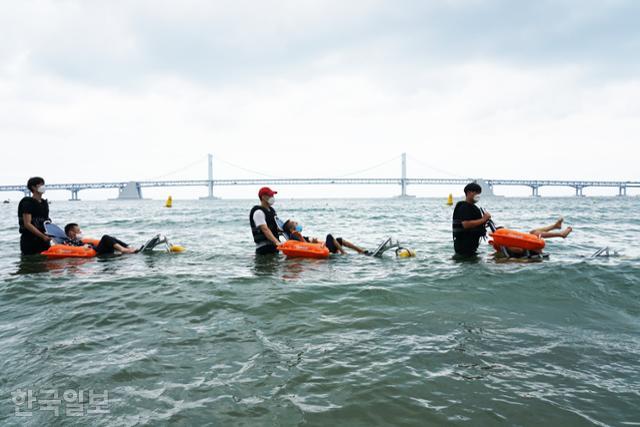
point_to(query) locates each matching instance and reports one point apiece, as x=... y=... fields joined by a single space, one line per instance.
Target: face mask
x=299 y=228
x=476 y=198
x=79 y=236
x=41 y=189
x=271 y=201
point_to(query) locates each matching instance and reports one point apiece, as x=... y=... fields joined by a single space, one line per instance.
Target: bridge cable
x=428 y=166
x=334 y=176
x=367 y=169
x=247 y=170
x=190 y=165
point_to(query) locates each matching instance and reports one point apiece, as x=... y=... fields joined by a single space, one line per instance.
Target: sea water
x=218 y=336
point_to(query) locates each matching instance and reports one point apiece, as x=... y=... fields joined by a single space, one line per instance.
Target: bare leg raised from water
x=545 y=235
x=555 y=226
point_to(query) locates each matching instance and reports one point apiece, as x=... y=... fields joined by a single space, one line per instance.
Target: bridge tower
x=487 y=187
x=131 y=191
x=210 y=196
x=403 y=179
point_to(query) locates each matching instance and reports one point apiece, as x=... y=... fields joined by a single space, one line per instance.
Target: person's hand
x=486 y=217
x=46 y=238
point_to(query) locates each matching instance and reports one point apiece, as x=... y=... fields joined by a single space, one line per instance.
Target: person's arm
x=474 y=223
x=26 y=220
x=268 y=234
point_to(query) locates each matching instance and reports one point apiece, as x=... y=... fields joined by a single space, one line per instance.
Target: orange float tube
x=67 y=251
x=504 y=237
x=294 y=248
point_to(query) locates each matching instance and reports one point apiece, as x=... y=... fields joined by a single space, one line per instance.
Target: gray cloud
x=123 y=44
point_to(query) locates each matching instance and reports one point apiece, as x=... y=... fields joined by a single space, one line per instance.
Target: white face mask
x=79 y=236
x=41 y=189
x=476 y=198
x=271 y=201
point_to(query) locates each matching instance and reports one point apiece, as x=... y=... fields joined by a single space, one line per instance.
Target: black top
x=270 y=217
x=466 y=241
x=29 y=242
x=39 y=213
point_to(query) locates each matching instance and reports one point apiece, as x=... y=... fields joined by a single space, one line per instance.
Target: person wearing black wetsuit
x=33 y=212
x=263 y=222
x=107 y=244
x=469 y=223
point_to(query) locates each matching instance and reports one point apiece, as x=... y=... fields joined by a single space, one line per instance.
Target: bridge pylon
x=210 y=195
x=403 y=179
x=487 y=187
x=131 y=191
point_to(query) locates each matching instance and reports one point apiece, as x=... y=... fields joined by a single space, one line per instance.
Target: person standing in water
x=264 y=225
x=469 y=222
x=33 y=212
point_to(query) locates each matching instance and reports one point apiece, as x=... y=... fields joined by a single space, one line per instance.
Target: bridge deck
x=578 y=184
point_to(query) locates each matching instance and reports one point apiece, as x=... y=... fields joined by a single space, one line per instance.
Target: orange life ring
x=67 y=251
x=294 y=248
x=504 y=237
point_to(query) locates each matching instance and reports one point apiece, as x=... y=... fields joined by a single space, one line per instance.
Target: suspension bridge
x=131 y=190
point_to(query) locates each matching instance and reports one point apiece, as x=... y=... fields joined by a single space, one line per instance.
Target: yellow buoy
x=450 y=200
x=177 y=248
x=169 y=202
x=405 y=253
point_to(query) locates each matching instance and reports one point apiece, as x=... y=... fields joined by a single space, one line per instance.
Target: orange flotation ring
x=504 y=237
x=294 y=248
x=67 y=251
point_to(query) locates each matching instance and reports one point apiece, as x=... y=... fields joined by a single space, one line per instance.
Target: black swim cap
x=472 y=187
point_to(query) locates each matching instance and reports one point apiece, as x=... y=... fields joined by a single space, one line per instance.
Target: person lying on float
x=107 y=244
x=546 y=232
x=293 y=231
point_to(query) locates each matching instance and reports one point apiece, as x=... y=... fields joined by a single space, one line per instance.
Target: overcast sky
x=122 y=90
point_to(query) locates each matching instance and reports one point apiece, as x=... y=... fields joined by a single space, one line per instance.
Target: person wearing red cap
x=264 y=224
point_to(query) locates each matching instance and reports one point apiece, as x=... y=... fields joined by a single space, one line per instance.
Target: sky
x=95 y=91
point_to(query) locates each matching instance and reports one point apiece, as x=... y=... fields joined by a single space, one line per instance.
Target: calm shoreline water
x=215 y=335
